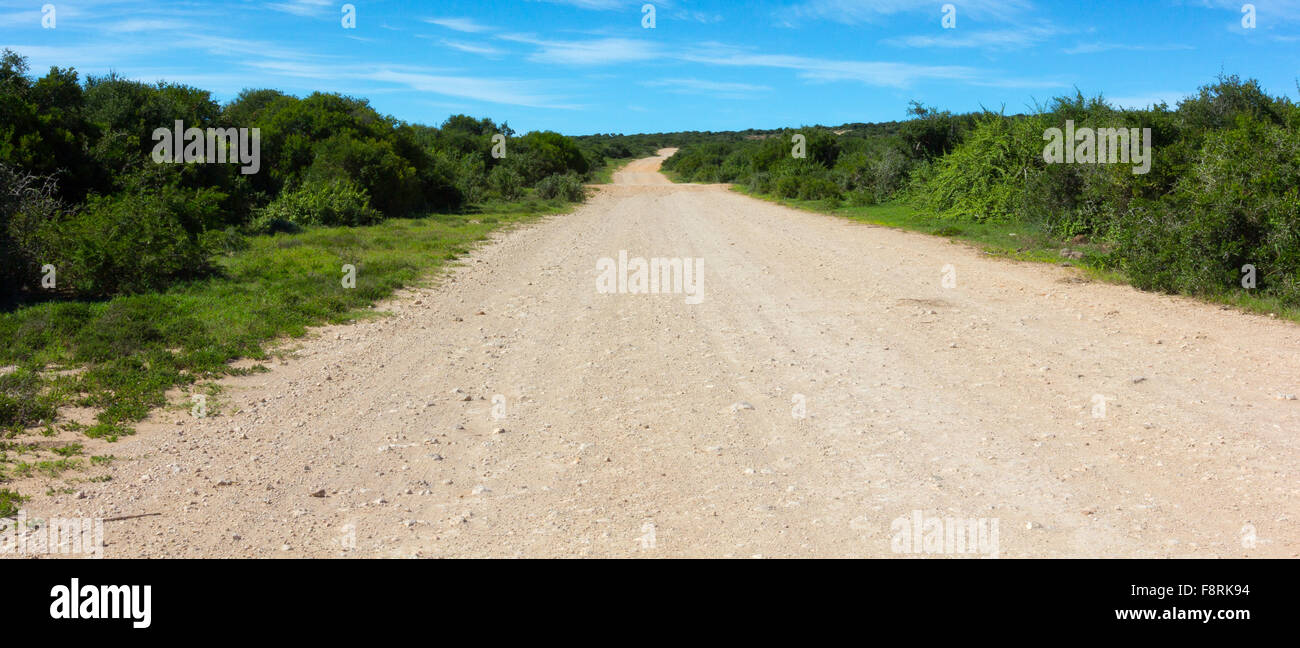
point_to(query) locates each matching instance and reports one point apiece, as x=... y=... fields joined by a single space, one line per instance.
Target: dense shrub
x=983 y=178
x=23 y=400
x=390 y=179
x=1239 y=205
x=544 y=153
x=506 y=183
x=131 y=242
x=565 y=186
x=43 y=125
x=27 y=202
x=933 y=133
x=336 y=202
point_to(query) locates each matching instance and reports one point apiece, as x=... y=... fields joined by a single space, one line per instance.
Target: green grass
x=1012 y=240
x=1019 y=241
x=9 y=501
x=50 y=468
x=122 y=355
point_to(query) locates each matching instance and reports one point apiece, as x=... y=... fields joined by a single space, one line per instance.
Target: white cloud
x=132 y=25
x=854 y=12
x=1095 y=48
x=723 y=89
x=21 y=18
x=599 y=5
x=459 y=24
x=302 y=7
x=603 y=51
x=226 y=46
x=699 y=84
x=613 y=51
x=993 y=39
x=502 y=91
x=880 y=73
x=472 y=48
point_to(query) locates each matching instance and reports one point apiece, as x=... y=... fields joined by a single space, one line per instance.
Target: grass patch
x=9 y=502
x=51 y=468
x=24 y=401
x=70 y=450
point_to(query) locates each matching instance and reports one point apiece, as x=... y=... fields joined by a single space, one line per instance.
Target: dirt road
x=1082 y=419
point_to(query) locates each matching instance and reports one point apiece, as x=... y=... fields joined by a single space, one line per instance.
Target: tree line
x=83 y=194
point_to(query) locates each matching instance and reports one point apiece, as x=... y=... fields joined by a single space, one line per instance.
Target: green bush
x=27 y=202
x=23 y=400
x=983 y=178
x=814 y=188
x=1239 y=205
x=506 y=183
x=563 y=186
x=132 y=242
x=787 y=186
x=331 y=203
x=540 y=154
x=388 y=178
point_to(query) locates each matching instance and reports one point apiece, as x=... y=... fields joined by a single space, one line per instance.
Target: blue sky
x=589 y=66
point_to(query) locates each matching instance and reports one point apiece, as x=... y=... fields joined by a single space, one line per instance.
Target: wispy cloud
x=133 y=25
x=472 y=48
x=602 y=51
x=855 y=12
x=502 y=91
x=722 y=89
x=1094 y=48
x=614 y=51
x=302 y=7
x=228 y=46
x=294 y=69
x=514 y=92
x=879 y=73
x=600 y=5
x=665 y=9
x=1005 y=39
x=459 y=24
x=697 y=16
x=21 y=18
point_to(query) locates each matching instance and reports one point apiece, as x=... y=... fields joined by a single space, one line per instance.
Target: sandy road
x=976 y=401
